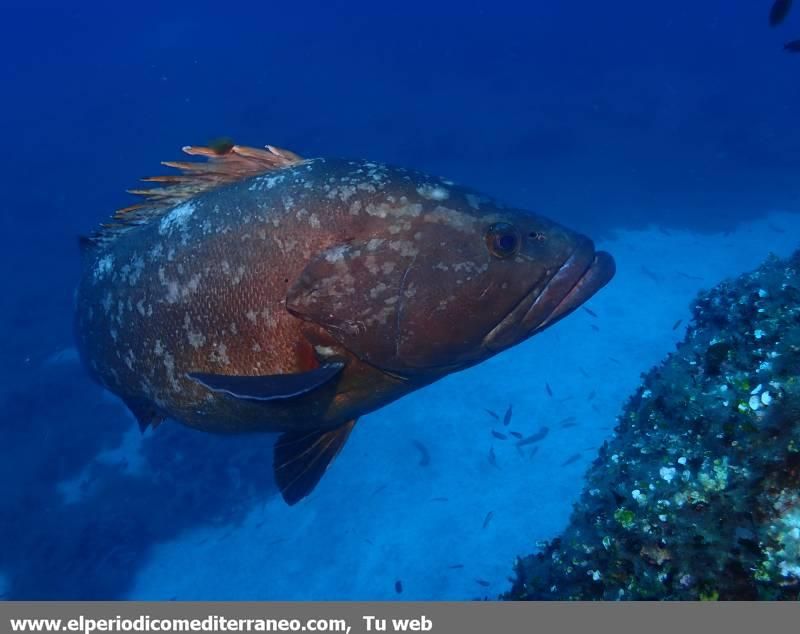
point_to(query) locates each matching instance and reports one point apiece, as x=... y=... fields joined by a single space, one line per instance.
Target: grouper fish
x=256 y=291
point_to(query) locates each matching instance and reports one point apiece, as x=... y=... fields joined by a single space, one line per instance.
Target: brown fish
x=259 y=291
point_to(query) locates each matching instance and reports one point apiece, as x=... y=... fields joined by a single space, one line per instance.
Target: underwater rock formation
x=697 y=496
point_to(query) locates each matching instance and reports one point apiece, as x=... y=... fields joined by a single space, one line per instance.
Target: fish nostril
x=537 y=235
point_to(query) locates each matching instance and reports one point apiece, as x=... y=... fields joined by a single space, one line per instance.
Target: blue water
x=667 y=131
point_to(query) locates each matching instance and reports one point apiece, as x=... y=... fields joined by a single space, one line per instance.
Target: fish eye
x=502 y=240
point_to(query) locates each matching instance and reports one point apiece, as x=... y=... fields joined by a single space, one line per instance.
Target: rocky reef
x=697 y=494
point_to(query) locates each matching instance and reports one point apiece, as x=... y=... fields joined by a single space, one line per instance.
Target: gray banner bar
x=438 y=618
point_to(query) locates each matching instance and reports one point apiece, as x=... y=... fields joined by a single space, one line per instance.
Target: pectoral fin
x=271 y=387
x=301 y=459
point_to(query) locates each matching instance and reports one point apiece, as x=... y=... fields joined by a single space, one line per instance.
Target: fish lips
x=583 y=274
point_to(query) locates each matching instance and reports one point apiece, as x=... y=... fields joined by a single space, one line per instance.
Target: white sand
x=348 y=542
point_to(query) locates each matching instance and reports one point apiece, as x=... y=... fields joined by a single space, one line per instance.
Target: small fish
x=516 y=434
x=573 y=458
x=492 y=458
x=482 y=582
x=424 y=455
x=369 y=541
x=690 y=277
x=590 y=311
x=539 y=435
x=567 y=420
x=456 y=566
x=652 y=275
x=591 y=396
x=488 y=519
x=439 y=499
x=492 y=414
x=533 y=452
x=617 y=361
x=548 y=389
x=793 y=46
x=498 y=435
x=398 y=587
x=666 y=232
x=221 y=145
x=583 y=372
x=379 y=489
x=677 y=324
x=776 y=228
x=569 y=424
x=779 y=11
x=507 y=417
x=595 y=327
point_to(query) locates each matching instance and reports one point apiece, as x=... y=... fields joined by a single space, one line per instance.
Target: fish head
x=487 y=280
x=440 y=287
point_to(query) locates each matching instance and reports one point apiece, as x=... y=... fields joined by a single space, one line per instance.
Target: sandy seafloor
x=375 y=518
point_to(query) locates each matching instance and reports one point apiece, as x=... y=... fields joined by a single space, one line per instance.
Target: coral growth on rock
x=696 y=496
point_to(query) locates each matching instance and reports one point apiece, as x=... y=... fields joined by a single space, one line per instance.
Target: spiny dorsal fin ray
x=222 y=166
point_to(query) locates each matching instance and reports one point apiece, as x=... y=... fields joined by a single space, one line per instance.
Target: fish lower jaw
x=580 y=277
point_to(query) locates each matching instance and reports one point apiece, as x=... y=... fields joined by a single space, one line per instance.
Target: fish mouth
x=582 y=274
x=582 y=286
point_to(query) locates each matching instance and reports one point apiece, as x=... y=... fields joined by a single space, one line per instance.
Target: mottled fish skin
x=323 y=260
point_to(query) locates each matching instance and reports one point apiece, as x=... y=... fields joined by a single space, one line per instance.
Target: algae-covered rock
x=697 y=495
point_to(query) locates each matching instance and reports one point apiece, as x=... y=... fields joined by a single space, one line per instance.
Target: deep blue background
x=600 y=114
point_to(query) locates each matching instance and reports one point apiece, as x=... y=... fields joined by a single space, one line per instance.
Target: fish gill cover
x=697 y=496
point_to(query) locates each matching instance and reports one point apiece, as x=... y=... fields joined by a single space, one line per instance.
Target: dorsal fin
x=225 y=164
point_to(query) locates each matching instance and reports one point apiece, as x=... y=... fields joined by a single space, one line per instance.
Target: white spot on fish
x=178 y=217
x=336 y=254
x=103 y=267
x=433 y=192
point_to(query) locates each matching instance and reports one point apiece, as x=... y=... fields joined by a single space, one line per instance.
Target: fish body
x=264 y=292
x=534 y=438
